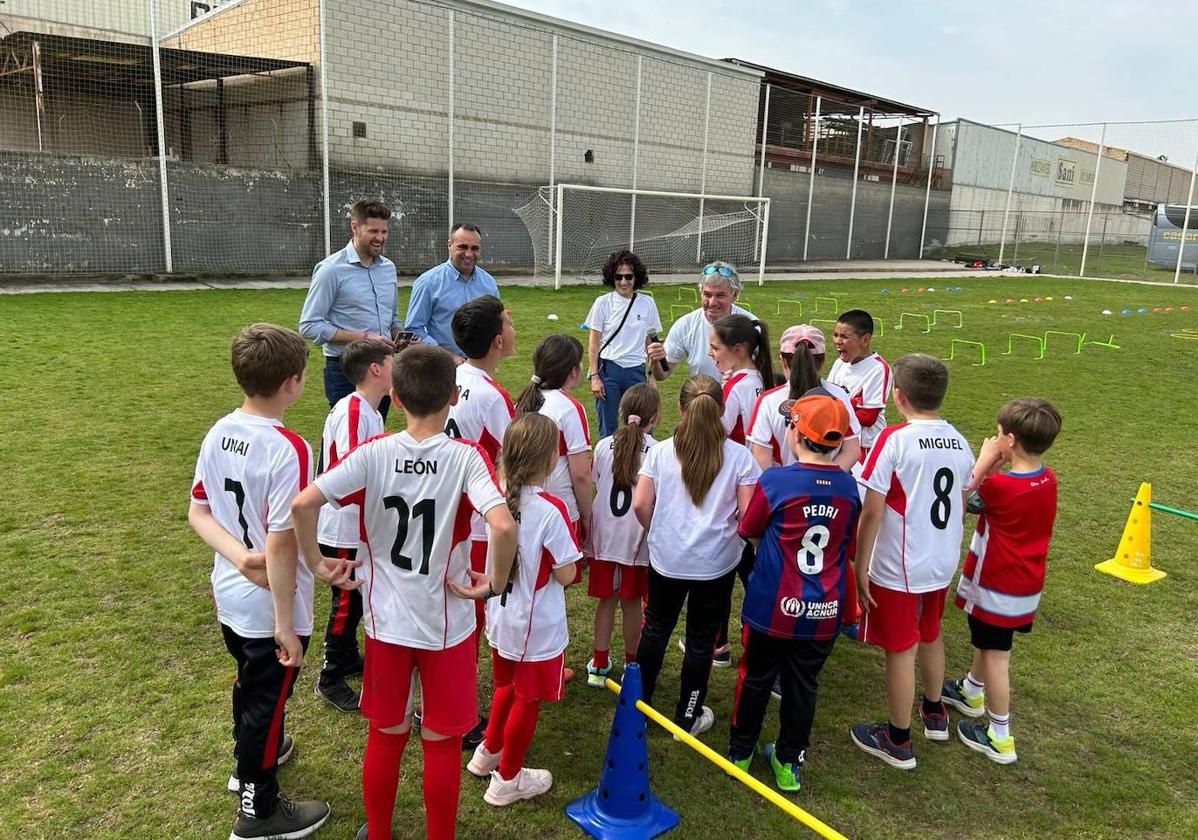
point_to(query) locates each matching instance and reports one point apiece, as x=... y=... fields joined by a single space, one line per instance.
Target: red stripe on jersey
x=507 y=398
x=199 y=493
x=876 y=449
x=562 y=449
x=730 y=383
x=490 y=444
x=460 y=534
x=896 y=496
x=757 y=407
x=486 y=460
x=867 y=416
x=276 y=720
x=301 y=452
x=582 y=418
x=344 y=598
x=358 y=497
x=564 y=511
x=737 y=435
x=885 y=376
x=355 y=416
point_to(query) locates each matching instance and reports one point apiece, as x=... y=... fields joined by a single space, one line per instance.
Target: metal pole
x=324 y=139
x=450 y=116
x=765 y=235
x=1090 y=211
x=703 y=175
x=848 y=251
x=898 y=143
x=39 y=93
x=166 y=204
x=1185 y=226
x=1002 y=242
x=819 y=101
x=557 y=272
x=1056 y=254
x=765 y=127
x=636 y=150
x=552 y=144
x=927 y=194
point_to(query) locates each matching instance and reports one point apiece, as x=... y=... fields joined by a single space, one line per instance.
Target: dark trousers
x=260 y=695
x=341 y=657
x=706 y=603
x=748 y=556
x=616 y=380
x=337 y=387
x=798 y=662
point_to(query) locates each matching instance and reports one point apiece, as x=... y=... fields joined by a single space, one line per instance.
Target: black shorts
x=985 y=636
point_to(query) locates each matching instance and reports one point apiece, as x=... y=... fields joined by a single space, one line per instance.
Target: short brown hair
x=423 y=377
x=1035 y=423
x=358 y=356
x=368 y=208
x=923 y=380
x=265 y=356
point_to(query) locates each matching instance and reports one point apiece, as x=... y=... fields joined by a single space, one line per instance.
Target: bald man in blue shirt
x=438 y=292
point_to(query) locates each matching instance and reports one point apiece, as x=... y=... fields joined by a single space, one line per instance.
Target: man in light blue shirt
x=352 y=296
x=438 y=292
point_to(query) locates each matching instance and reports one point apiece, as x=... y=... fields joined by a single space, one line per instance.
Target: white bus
x=1166 y=237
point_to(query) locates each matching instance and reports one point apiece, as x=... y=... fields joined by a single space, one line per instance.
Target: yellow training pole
x=731 y=769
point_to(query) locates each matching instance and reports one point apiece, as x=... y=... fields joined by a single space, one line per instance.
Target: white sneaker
x=702 y=723
x=527 y=784
x=483 y=761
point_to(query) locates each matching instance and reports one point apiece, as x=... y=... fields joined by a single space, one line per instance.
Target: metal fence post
x=557 y=271
x=848 y=251
x=703 y=174
x=165 y=191
x=636 y=149
x=927 y=194
x=1056 y=254
x=765 y=127
x=552 y=147
x=819 y=101
x=1090 y=211
x=450 y=117
x=1002 y=242
x=324 y=136
x=1185 y=226
x=898 y=144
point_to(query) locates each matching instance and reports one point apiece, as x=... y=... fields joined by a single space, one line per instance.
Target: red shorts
x=899 y=620
x=608 y=579
x=532 y=680
x=448 y=686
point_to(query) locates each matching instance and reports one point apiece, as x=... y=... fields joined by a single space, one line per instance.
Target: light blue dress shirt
x=437 y=294
x=350 y=296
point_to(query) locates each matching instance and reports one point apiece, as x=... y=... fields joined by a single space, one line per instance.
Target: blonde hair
x=529 y=447
x=699 y=438
x=642 y=402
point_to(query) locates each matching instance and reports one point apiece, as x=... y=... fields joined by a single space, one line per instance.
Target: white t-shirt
x=574 y=436
x=768 y=428
x=922 y=467
x=527 y=623
x=689 y=542
x=248 y=471
x=868 y=384
x=627 y=349
x=689 y=339
x=416 y=499
x=741 y=391
x=352 y=421
x=482 y=414
x=616 y=535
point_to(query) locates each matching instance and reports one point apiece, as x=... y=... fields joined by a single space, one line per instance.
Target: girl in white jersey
x=740 y=348
x=526 y=623
x=619 y=558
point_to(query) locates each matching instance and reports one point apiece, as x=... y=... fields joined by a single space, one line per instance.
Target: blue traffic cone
x=622 y=806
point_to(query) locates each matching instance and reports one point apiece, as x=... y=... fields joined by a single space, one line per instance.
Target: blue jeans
x=337 y=387
x=616 y=380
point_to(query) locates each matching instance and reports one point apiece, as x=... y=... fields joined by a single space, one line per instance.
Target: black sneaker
x=290 y=821
x=935 y=724
x=953 y=693
x=285 y=751
x=338 y=694
x=776 y=691
x=475 y=736
x=874 y=738
x=354 y=670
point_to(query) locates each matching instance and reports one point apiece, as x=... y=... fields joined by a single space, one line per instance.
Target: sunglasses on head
x=722 y=270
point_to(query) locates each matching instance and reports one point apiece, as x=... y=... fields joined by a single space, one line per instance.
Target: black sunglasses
x=626 y=277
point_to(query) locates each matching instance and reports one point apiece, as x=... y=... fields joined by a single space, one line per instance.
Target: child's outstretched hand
x=480 y=589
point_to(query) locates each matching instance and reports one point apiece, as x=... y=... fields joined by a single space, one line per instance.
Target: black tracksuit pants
x=341 y=657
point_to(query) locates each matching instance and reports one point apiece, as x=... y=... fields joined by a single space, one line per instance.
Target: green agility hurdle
x=788 y=302
x=927 y=322
x=960 y=318
x=1081 y=337
x=952 y=350
x=1039 y=344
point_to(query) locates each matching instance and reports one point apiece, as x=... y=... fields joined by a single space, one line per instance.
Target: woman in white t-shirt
x=692 y=490
x=620 y=323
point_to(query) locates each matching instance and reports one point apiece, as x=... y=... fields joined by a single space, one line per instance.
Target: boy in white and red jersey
x=1003 y=577
x=908 y=548
x=416 y=491
x=249 y=469
x=355 y=418
x=864 y=375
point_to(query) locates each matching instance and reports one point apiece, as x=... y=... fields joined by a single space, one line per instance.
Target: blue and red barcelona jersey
x=806 y=518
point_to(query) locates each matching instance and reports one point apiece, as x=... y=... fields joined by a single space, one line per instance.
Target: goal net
x=574 y=228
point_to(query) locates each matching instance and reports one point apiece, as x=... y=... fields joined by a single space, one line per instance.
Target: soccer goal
x=574 y=227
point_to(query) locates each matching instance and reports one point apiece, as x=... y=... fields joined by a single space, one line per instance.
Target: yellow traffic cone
x=1133 y=560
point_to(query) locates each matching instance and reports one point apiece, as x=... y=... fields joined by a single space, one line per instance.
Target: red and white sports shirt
x=616 y=535
x=767 y=427
x=527 y=623
x=352 y=421
x=483 y=412
x=741 y=391
x=868 y=384
x=248 y=471
x=416 y=499
x=574 y=436
x=922 y=468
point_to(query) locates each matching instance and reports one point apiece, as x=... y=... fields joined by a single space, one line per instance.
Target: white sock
x=972 y=687
x=1000 y=725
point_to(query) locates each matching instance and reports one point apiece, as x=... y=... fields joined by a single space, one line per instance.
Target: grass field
x=114 y=681
x=1104 y=259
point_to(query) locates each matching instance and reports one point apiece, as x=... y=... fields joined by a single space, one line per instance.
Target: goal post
x=574 y=227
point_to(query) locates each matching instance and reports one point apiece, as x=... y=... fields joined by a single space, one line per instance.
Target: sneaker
x=703 y=722
x=742 y=763
x=953 y=693
x=935 y=724
x=475 y=736
x=290 y=821
x=526 y=784
x=338 y=694
x=851 y=631
x=786 y=776
x=722 y=658
x=597 y=677
x=285 y=751
x=874 y=738
x=355 y=670
x=776 y=691
x=978 y=738
x=483 y=761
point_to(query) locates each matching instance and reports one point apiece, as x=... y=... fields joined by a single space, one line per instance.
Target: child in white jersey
x=864 y=375
x=526 y=623
x=619 y=558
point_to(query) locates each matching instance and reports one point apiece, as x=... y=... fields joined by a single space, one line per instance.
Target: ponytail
x=804 y=373
x=552 y=363
x=699 y=438
x=732 y=330
x=529 y=447
x=638 y=407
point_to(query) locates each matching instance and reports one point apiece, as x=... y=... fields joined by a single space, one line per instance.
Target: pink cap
x=802 y=333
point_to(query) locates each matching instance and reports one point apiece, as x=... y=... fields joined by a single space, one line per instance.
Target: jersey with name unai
x=527 y=623
x=574 y=436
x=248 y=471
x=352 y=421
x=482 y=414
x=616 y=535
x=922 y=468
x=741 y=391
x=868 y=384
x=767 y=427
x=416 y=499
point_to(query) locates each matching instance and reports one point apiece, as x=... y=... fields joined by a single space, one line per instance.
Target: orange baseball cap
x=822 y=420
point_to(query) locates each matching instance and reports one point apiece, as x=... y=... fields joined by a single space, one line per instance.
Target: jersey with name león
x=868 y=384
x=741 y=391
x=352 y=421
x=248 y=471
x=616 y=535
x=573 y=437
x=922 y=468
x=527 y=623
x=416 y=499
x=483 y=412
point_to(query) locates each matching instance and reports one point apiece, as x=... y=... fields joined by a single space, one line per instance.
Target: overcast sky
x=1052 y=61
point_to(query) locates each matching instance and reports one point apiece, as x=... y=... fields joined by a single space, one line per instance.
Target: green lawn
x=1103 y=259
x=114 y=682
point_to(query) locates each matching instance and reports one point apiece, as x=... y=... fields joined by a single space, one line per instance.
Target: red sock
x=442 y=780
x=380 y=776
x=600 y=659
x=517 y=735
x=501 y=706
x=629 y=657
